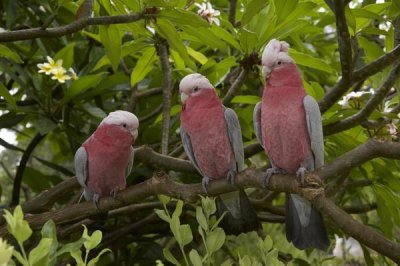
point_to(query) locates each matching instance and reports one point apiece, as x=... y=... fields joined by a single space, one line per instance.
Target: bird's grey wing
x=130 y=162
x=257 y=122
x=81 y=164
x=187 y=145
x=235 y=137
x=314 y=125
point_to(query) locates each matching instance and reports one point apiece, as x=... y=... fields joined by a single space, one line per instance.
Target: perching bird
x=212 y=140
x=288 y=125
x=105 y=159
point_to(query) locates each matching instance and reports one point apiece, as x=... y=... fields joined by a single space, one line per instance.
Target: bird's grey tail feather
x=240 y=215
x=304 y=225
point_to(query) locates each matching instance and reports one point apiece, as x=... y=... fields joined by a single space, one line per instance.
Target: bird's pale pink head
x=123 y=119
x=275 y=55
x=192 y=85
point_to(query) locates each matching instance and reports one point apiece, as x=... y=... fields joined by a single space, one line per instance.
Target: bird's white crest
x=122 y=117
x=194 y=80
x=275 y=51
x=192 y=83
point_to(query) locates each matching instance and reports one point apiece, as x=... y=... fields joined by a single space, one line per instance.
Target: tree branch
x=163 y=53
x=235 y=86
x=160 y=183
x=21 y=168
x=75 y=26
x=369 y=107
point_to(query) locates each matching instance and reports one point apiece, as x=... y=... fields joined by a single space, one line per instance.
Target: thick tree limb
x=160 y=183
x=75 y=26
x=163 y=53
x=235 y=86
x=369 y=107
x=359 y=155
x=21 y=168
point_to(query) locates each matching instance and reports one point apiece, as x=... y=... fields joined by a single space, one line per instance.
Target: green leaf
x=70 y=247
x=248 y=40
x=226 y=36
x=144 y=65
x=168 y=31
x=7 y=52
x=40 y=252
x=7 y=96
x=195 y=258
x=252 y=8
x=182 y=17
x=93 y=261
x=186 y=234
x=283 y=8
x=351 y=20
x=10 y=119
x=67 y=55
x=168 y=255
x=17 y=226
x=91 y=241
x=208 y=205
x=174 y=226
x=45 y=125
x=49 y=231
x=20 y=258
x=215 y=240
x=199 y=57
x=164 y=199
x=178 y=208
x=111 y=39
x=94 y=110
x=81 y=85
x=267 y=243
x=77 y=255
x=309 y=61
x=201 y=218
x=162 y=215
x=247 y=99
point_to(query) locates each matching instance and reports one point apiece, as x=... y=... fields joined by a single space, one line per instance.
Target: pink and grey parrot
x=212 y=139
x=105 y=159
x=288 y=125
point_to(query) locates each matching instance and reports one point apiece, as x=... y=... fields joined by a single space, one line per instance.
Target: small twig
x=271 y=218
x=163 y=53
x=235 y=87
x=369 y=107
x=77 y=25
x=358 y=209
x=232 y=12
x=152 y=114
x=21 y=168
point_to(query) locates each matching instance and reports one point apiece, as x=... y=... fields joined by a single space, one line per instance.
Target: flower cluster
x=57 y=71
x=206 y=11
x=353 y=96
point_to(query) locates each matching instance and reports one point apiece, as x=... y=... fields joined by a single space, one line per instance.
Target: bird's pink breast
x=284 y=129
x=204 y=121
x=109 y=150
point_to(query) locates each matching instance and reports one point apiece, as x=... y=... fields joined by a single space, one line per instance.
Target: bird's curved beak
x=266 y=71
x=184 y=97
x=134 y=133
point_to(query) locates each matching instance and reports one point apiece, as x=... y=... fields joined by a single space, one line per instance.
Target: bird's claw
x=205 y=182
x=268 y=174
x=114 y=192
x=96 y=198
x=231 y=177
x=301 y=174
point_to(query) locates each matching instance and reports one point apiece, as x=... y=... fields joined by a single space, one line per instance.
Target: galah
x=287 y=123
x=212 y=139
x=105 y=159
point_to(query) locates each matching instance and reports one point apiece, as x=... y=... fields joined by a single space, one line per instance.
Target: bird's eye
x=279 y=62
x=124 y=125
x=195 y=89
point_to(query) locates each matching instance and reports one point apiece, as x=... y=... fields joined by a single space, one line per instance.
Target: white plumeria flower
x=60 y=75
x=344 y=102
x=392 y=129
x=206 y=11
x=73 y=74
x=51 y=66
